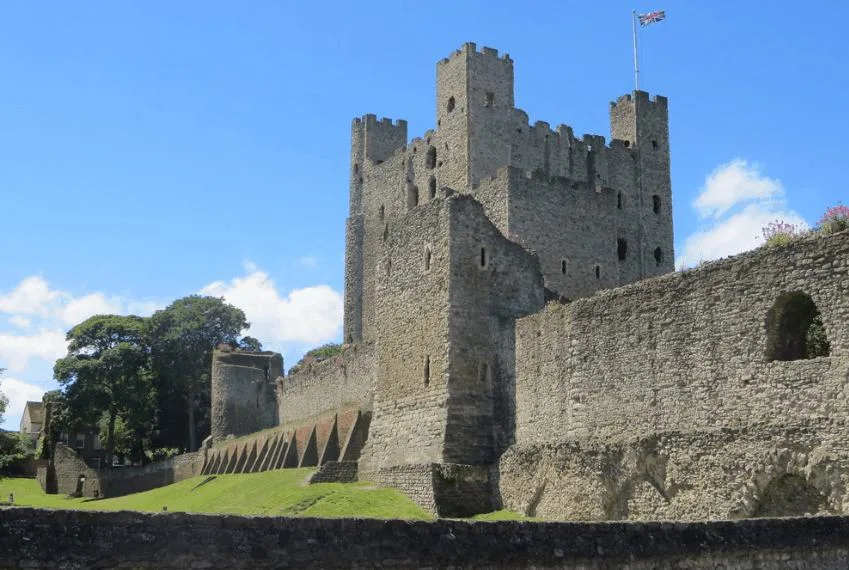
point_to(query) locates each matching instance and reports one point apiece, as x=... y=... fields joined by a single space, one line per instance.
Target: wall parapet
x=317 y=388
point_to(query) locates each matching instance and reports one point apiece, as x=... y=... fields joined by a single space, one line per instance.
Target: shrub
x=816 y=342
x=835 y=219
x=323 y=352
x=779 y=232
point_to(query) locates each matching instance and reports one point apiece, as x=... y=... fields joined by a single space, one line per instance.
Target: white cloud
x=20 y=321
x=740 y=201
x=734 y=234
x=733 y=183
x=17 y=350
x=76 y=311
x=32 y=296
x=311 y=315
x=19 y=393
x=34 y=306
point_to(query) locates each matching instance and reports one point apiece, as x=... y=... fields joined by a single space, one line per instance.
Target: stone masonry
x=596 y=215
x=515 y=335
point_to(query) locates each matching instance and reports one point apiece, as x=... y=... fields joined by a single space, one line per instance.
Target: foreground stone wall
x=35 y=538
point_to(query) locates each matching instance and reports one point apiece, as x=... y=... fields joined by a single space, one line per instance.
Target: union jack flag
x=652 y=17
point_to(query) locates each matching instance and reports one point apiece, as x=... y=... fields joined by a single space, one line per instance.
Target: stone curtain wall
x=683 y=356
x=127 y=480
x=33 y=538
x=320 y=388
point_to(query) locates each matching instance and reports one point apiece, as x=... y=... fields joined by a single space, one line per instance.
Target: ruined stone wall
x=719 y=473
x=66 y=470
x=318 y=388
x=40 y=538
x=685 y=353
x=243 y=392
x=116 y=482
x=63 y=474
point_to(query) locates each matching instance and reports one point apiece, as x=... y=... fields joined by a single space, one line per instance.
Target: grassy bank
x=273 y=493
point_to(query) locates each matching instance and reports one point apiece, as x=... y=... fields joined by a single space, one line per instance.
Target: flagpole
x=636 y=63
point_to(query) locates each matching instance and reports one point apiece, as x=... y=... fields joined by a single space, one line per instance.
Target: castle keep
x=516 y=336
x=596 y=216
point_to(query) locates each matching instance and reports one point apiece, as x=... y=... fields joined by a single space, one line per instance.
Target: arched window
x=451 y=103
x=791 y=496
x=794 y=329
x=563 y=266
x=431 y=187
x=658 y=256
x=655 y=204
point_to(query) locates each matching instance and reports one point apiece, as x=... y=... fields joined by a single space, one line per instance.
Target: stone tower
x=644 y=125
x=596 y=215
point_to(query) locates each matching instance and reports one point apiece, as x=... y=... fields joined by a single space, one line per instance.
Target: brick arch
x=791 y=483
x=640 y=487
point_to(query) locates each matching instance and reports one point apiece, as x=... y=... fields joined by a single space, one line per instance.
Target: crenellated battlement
x=370 y=120
x=471 y=49
x=641 y=96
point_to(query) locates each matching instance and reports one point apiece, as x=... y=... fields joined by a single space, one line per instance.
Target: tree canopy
x=105 y=372
x=4 y=401
x=144 y=381
x=183 y=336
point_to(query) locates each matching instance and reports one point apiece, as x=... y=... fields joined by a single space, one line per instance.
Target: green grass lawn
x=503 y=515
x=272 y=493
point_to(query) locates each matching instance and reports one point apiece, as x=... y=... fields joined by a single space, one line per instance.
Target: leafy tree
x=105 y=372
x=183 y=336
x=15 y=446
x=4 y=401
x=323 y=352
x=250 y=344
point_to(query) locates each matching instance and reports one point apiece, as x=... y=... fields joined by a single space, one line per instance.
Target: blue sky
x=153 y=150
